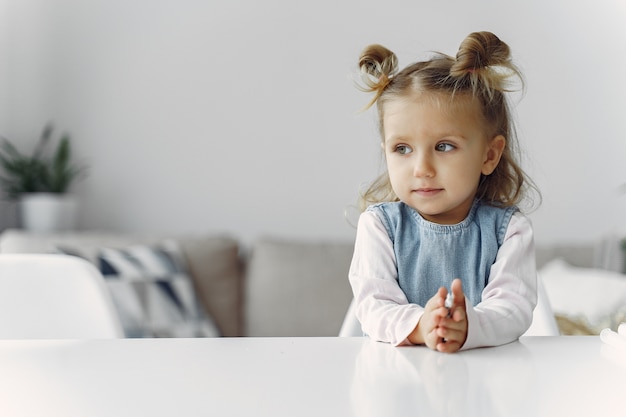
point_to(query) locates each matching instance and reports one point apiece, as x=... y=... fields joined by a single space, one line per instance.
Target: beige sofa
x=272 y=288
x=277 y=287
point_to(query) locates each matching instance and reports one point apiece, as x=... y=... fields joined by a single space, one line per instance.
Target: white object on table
x=615 y=339
x=615 y=344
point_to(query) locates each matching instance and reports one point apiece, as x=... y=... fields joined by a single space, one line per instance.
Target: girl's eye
x=444 y=147
x=403 y=149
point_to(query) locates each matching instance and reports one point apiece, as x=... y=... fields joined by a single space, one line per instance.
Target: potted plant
x=39 y=182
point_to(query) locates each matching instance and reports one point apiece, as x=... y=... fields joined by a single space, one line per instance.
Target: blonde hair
x=482 y=69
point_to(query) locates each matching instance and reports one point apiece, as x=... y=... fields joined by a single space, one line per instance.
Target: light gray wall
x=4 y=49
x=241 y=116
x=6 y=212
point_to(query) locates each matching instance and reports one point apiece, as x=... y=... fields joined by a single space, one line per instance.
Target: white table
x=538 y=376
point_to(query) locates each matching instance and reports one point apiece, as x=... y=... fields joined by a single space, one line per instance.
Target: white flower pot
x=48 y=212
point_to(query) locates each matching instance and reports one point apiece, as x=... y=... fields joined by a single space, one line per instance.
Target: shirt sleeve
x=381 y=305
x=507 y=303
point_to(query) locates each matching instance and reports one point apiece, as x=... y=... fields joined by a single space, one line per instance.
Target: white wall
x=241 y=116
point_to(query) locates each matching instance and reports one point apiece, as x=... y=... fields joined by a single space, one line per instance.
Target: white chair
x=543 y=324
x=46 y=296
x=351 y=326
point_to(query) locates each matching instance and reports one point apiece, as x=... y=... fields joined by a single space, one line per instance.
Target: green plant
x=38 y=172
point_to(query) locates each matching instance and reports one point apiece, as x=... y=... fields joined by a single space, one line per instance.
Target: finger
x=448 y=346
x=453 y=331
x=457 y=320
x=458 y=315
x=438 y=300
x=438 y=314
x=432 y=339
x=440 y=297
x=451 y=335
x=457 y=291
x=452 y=324
x=449 y=340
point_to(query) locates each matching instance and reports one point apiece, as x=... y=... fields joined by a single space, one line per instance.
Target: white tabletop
x=538 y=376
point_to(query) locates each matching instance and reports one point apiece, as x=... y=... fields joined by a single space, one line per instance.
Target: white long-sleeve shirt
x=507 y=303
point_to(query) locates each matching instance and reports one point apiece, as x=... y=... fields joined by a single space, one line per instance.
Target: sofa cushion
x=297 y=288
x=215 y=264
x=151 y=289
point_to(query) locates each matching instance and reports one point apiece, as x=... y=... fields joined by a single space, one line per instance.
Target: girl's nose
x=423 y=167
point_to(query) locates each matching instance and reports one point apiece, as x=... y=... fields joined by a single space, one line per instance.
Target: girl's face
x=436 y=152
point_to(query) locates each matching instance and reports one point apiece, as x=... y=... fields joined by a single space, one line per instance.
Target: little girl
x=444 y=213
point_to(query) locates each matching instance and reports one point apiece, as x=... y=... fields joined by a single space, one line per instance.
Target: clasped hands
x=439 y=328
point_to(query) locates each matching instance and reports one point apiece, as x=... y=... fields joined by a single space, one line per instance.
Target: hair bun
x=378 y=65
x=480 y=50
x=377 y=61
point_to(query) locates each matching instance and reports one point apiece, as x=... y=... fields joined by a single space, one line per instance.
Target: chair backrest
x=544 y=322
x=49 y=296
x=351 y=327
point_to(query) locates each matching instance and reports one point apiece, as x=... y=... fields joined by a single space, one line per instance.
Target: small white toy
x=449 y=303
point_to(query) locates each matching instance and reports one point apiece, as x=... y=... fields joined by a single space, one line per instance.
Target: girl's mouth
x=428 y=192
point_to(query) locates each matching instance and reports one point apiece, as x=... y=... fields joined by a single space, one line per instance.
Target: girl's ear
x=493 y=154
